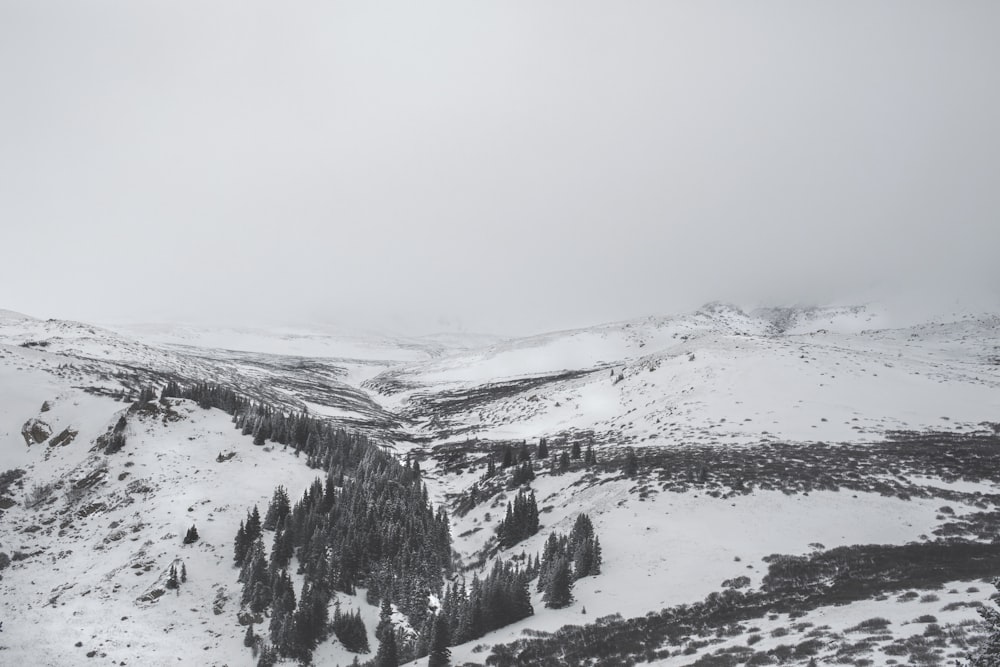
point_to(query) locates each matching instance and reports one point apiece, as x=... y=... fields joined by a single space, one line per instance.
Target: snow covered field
x=102 y=531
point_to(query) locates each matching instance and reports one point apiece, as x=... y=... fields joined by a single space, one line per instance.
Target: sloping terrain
x=716 y=376
x=729 y=451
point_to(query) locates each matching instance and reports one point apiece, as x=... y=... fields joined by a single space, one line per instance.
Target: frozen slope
x=99 y=541
x=718 y=380
x=717 y=375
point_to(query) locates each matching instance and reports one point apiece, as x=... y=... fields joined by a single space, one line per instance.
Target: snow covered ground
x=111 y=526
x=720 y=375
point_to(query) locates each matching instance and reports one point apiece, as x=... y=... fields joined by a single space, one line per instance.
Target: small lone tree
x=191 y=536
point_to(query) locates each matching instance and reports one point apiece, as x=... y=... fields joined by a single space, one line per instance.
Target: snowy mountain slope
x=290 y=380
x=670 y=542
x=747 y=398
x=718 y=375
x=107 y=527
x=878 y=631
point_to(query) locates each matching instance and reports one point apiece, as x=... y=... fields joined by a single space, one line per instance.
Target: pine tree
x=559 y=592
x=249 y=638
x=508 y=457
x=268 y=656
x=388 y=652
x=543 y=449
x=440 y=654
x=523 y=474
x=384 y=620
x=350 y=630
x=595 y=563
x=191 y=536
x=520 y=521
x=575 y=451
x=253 y=526
x=583 y=528
x=241 y=546
x=277 y=509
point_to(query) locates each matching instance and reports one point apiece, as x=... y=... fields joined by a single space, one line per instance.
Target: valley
x=775 y=487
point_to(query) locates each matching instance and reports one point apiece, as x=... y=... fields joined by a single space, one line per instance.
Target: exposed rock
x=35 y=431
x=65 y=437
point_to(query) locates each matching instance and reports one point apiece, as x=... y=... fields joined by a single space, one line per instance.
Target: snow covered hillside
x=778 y=486
x=716 y=376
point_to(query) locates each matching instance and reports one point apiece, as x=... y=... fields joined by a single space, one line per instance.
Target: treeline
x=367 y=523
x=331 y=449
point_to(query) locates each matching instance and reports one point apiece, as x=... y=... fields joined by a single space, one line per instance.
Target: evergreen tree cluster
x=350 y=630
x=501 y=598
x=278 y=509
x=326 y=447
x=296 y=626
x=439 y=654
x=523 y=474
x=176 y=576
x=394 y=645
x=371 y=526
x=561 y=461
x=521 y=520
x=566 y=559
x=368 y=523
x=509 y=456
x=247 y=535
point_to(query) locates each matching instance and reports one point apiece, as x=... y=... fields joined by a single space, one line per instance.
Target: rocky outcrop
x=35 y=431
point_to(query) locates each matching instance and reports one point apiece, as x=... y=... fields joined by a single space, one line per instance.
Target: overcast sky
x=508 y=167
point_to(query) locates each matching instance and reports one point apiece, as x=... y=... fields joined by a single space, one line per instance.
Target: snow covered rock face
x=767 y=488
